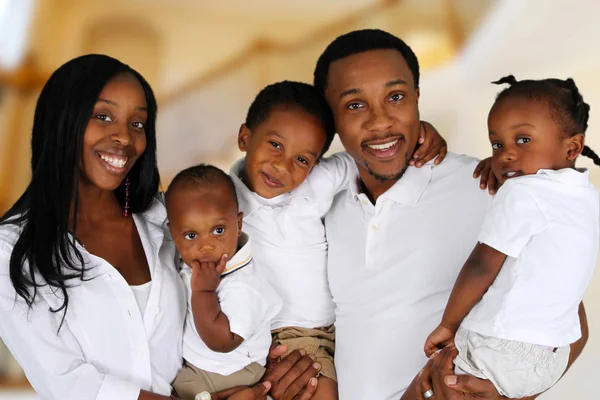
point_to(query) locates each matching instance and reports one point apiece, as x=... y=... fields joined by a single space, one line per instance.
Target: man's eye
x=354 y=106
x=397 y=97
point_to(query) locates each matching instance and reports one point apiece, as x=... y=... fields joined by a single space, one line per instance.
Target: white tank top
x=141 y=294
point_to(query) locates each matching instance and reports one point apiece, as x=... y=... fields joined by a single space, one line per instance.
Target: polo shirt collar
x=241 y=258
x=407 y=190
x=569 y=176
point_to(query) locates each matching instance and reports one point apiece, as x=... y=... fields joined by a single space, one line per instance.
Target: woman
x=91 y=304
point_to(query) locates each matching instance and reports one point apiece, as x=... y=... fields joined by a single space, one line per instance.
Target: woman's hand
x=256 y=392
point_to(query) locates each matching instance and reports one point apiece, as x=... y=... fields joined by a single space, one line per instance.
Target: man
x=398 y=236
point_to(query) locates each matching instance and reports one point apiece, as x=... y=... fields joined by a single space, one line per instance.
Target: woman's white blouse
x=106 y=348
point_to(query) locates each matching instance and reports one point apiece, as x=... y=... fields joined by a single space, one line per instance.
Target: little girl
x=513 y=311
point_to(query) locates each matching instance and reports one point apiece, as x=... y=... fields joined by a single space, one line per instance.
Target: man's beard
x=384 y=178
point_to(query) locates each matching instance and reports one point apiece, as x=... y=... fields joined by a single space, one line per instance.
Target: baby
x=227 y=332
x=513 y=311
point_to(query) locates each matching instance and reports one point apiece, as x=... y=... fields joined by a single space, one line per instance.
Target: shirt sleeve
x=53 y=362
x=514 y=217
x=244 y=307
x=337 y=170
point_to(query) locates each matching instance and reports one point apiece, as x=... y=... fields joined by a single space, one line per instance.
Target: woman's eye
x=523 y=140
x=275 y=144
x=302 y=160
x=138 y=125
x=496 y=146
x=190 y=236
x=396 y=97
x=103 y=117
x=354 y=106
x=219 y=231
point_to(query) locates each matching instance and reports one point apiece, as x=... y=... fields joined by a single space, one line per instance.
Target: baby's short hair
x=203 y=175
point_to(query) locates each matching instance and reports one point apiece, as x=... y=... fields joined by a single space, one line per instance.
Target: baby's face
x=281 y=151
x=526 y=138
x=204 y=222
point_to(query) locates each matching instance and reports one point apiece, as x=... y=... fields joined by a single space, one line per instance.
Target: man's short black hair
x=358 y=42
x=287 y=95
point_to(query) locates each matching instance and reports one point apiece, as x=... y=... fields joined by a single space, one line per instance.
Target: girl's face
x=525 y=138
x=115 y=135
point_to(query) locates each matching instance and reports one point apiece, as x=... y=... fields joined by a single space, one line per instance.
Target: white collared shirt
x=288 y=240
x=391 y=268
x=249 y=303
x=547 y=224
x=106 y=349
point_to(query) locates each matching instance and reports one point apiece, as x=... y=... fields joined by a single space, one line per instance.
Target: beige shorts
x=191 y=380
x=516 y=369
x=319 y=342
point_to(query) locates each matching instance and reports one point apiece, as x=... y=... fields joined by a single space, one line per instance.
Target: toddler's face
x=281 y=151
x=526 y=138
x=204 y=222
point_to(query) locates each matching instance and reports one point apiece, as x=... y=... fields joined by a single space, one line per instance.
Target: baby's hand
x=488 y=179
x=438 y=339
x=206 y=276
x=431 y=145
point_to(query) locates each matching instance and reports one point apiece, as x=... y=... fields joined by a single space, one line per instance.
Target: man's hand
x=431 y=145
x=291 y=378
x=438 y=339
x=206 y=276
x=488 y=179
x=438 y=375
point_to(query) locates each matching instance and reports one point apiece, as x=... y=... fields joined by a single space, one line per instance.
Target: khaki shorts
x=191 y=380
x=516 y=369
x=319 y=342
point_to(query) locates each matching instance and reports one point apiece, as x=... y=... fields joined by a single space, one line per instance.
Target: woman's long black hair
x=45 y=253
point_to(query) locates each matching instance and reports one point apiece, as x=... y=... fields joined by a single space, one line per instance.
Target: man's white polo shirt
x=391 y=268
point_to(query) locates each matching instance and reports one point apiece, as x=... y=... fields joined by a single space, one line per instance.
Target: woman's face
x=115 y=136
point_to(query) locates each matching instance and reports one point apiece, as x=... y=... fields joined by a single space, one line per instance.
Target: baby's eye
x=523 y=140
x=219 y=231
x=496 y=146
x=302 y=160
x=190 y=236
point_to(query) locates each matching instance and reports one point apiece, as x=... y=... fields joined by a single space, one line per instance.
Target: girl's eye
x=302 y=160
x=496 y=146
x=396 y=97
x=219 y=231
x=190 y=236
x=103 y=118
x=523 y=140
x=275 y=144
x=138 y=125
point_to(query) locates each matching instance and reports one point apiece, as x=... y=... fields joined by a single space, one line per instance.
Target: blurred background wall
x=206 y=60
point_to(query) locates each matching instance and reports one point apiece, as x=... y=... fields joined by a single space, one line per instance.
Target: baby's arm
x=476 y=276
x=211 y=323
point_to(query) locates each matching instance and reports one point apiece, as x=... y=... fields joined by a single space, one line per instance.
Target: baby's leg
x=326 y=389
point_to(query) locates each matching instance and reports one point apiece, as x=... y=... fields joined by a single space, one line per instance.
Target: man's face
x=375 y=106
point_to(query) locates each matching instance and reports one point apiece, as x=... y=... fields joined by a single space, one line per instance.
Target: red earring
x=126 y=207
